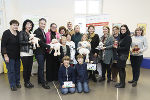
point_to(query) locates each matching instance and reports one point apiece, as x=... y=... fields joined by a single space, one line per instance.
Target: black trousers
x=136 y=63
x=27 y=62
x=122 y=75
x=122 y=72
x=106 y=68
x=52 y=67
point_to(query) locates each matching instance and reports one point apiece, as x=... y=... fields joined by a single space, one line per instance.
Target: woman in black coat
x=26 y=52
x=123 y=53
x=94 y=40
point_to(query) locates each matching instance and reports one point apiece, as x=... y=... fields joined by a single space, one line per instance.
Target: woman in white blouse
x=138 y=46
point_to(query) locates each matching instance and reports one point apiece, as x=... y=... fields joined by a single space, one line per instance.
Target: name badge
x=91 y=67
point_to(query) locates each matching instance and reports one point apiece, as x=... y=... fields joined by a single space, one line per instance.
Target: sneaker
x=31 y=85
x=27 y=85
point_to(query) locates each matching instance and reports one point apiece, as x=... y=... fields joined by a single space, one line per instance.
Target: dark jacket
x=67 y=52
x=81 y=72
x=10 y=45
x=115 y=54
x=24 y=42
x=124 y=44
x=94 y=43
x=76 y=38
x=64 y=72
x=123 y=50
x=42 y=42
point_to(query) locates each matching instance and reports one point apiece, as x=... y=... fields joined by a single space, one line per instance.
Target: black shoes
x=120 y=85
x=13 y=88
x=45 y=86
x=94 y=79
x=109 y=80
x=117 y=84
x=18 y=86
x=28 y=85
x=102 y=79
x=132 y=81
x=134 y=84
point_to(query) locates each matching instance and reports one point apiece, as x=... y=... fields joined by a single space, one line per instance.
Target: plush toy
x=100 y=46
x=34 y=40
x=71 y=45
x=115 y=43
x=135 y=49
x=84 y=49
x=56 y=46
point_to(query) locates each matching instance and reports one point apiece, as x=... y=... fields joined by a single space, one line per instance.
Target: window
x=80 y=7
x=84 y=8
x=88 y=7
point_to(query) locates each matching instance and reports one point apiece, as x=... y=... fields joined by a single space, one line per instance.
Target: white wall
x=58 y=11
x=130 y=12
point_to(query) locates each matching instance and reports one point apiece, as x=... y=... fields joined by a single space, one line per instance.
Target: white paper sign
x=91 y=66
x=68 y=84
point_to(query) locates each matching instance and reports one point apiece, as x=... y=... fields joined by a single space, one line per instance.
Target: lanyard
x=67 y=73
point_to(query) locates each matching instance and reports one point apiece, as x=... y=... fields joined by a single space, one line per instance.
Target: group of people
x=69 y=67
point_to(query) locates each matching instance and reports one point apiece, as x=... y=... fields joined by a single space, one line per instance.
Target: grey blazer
x=108 y=52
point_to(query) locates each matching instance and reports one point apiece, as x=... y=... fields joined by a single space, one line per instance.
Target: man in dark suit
x=40 y=52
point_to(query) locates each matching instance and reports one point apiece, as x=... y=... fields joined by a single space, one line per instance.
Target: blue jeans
x=40 y=59
x=13 y=68
x=67 y=90
x=82 y=87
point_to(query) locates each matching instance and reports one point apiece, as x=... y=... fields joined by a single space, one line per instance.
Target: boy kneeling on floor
x=66 y=76
x=81 y=75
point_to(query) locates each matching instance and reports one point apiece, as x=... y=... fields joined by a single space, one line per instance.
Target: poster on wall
x=142 y=25
x=97 y=21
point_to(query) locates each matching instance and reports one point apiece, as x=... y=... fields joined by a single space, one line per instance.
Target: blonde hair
x=86 y=37
x=107 y=28
x=79 y=56
x=139 y=29
x=117 y=27
x=62 y=38
x=66 y=58
x=76 y=26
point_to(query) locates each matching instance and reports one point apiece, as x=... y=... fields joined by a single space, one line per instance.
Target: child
x=84 y=47
x=71 y=45
x=81 y=75
x=65 y=50
x=66 y=74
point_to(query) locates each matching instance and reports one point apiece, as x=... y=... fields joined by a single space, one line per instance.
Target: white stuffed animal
x=100 y=46
x=71 y=45
x=83 y=49
x=34 y=40
x=56 y=46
